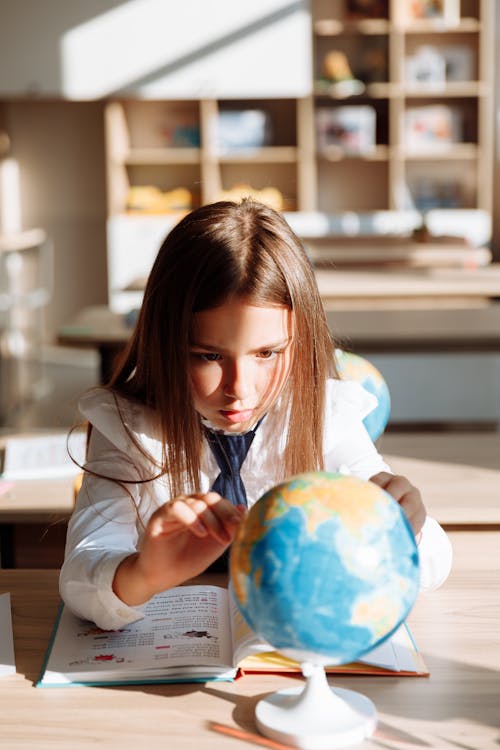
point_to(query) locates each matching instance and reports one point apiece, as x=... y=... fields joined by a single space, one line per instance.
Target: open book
x=188 y=634
x=42 y=456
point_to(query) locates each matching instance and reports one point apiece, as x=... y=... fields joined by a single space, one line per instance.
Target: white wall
x=155 y=48
x=52 y=50
x=59 y=147
x=450 y=387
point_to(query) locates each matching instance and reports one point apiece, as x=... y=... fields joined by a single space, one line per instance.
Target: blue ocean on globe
x=354 y=367
x=325 y=566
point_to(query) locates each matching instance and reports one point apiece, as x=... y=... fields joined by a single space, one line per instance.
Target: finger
x=214 y=518
x=397 y=486
x=225 y=511
x=381 y=479
x=414 y=510
x=176 y=516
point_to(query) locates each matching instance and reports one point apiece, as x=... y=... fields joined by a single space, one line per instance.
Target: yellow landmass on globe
x=354 y=502
x=380 y=613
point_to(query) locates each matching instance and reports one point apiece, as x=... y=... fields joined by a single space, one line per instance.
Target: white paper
x=7 y=660
x=43 y=456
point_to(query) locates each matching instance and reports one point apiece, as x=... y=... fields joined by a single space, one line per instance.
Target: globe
x=325 y=567
x=354 y=367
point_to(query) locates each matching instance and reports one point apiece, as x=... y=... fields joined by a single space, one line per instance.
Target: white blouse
x=108 y=520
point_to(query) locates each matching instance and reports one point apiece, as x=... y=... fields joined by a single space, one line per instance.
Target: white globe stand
x=316 y=717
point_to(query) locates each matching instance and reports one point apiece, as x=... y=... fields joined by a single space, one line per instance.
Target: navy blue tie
x=230 y=451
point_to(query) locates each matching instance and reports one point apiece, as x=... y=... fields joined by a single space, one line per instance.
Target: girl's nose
x=237 y=381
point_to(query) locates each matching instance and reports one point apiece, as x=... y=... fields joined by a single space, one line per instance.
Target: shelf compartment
x=441 y=184
x=264 y=155
x=341 y=183
x=329 y=27
x=335 y=154
x=438 y=26
x=161 y=156
x=451 y=152
x=261 y=177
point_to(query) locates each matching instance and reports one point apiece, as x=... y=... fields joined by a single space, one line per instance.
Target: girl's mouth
x=236 y=416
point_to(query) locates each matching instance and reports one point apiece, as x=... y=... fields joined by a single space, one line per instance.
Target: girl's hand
x=182 y=538
x=407 y=496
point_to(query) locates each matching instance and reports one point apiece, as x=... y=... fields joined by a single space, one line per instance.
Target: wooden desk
x=426 y=329
x=456 y=629
x=33 y=516
x=378 y=329
x=37 y=501
x=406 y=288
x=457 y=473
x=98 y=328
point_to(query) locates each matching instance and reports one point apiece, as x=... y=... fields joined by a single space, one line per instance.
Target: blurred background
x=372 y=125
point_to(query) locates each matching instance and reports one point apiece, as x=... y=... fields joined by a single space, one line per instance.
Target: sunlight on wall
x=10 y=197
x=217 y=48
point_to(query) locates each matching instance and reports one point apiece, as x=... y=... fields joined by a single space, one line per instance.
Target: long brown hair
x=216 y=252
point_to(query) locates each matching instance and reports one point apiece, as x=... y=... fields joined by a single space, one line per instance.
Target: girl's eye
x=268 y=354
x=208 y=356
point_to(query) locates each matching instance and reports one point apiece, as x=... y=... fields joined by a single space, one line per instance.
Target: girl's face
x=240 y=358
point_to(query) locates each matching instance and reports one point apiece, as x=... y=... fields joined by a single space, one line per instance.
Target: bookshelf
x=428 y=83
x=164 y=158
x=174 y=145
x=402 y=146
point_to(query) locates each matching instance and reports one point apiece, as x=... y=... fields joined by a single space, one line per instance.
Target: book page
x=245 y=641
x=43 y=456
x=247 y=644
x=407 y=655
x=382 y=656
x=396 y=655
x=7 y=661
x=183 y=627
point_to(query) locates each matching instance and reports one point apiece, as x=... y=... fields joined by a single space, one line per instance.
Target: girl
x=231 y=351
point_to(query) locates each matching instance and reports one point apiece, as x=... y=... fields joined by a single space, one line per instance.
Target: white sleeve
x=435 y=555
x=102 y=531
x=348 y=447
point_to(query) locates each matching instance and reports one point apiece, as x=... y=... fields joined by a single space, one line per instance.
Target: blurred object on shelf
x=432 y=126
x=349 y=128
x=177 y=125
x=439 y=64
x=243 y=129
x=459 y=62
x=270 y=196
x=338 y=76
x=182 y=136
x=447 y=11
x=426 y=65
x=428 y=193
x=148 y=199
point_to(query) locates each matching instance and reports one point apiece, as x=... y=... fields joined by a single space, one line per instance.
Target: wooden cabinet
x=172 y=145
x=422 y=88
x=395 y=136
x=165 y=157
